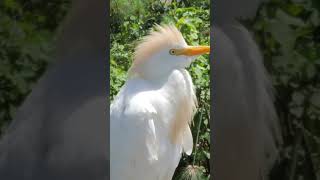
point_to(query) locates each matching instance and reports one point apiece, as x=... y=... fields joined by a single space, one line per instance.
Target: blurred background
x=287 y=31
x=130 y=21
x=27 y=34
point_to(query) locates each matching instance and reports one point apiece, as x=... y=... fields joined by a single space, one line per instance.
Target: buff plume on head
x=165 y=46
x=159 y=38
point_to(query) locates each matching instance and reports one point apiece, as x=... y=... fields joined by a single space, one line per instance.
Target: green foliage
x=288 y=32
x=127 y=27
x=25 y=35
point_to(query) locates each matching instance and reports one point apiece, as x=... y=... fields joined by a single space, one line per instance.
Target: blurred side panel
x=266 y=90
x=245 y=126
x=60 y=131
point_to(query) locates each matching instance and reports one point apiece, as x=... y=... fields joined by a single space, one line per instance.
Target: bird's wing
x=133 y=140
x=139 y=116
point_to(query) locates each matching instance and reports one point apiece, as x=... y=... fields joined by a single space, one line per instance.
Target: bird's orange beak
x=193 y=50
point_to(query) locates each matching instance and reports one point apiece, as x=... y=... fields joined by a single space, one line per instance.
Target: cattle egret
x=150 y=116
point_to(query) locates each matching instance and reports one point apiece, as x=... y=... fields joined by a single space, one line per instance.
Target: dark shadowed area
x=60 y=130
x=250 y=140
x=244 y=125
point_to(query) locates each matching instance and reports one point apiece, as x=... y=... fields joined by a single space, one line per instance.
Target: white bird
x=149 y=118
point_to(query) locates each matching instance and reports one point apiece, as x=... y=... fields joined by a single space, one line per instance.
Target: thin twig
x=197 y=138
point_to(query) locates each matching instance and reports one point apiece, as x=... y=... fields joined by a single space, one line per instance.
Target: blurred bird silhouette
x=60 y=131
x=245 y=125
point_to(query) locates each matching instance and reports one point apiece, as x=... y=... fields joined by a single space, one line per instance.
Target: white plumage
x=149 y=127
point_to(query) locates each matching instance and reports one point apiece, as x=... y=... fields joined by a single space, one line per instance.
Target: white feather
x=142 y=115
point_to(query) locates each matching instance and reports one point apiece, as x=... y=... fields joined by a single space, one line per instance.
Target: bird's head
x=163 y=51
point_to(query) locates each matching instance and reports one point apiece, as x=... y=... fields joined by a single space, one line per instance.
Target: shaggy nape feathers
x=162 y=37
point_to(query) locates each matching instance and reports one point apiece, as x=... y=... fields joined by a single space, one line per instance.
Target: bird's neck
x=176 y=83
x=180 y=83
x=150 y=74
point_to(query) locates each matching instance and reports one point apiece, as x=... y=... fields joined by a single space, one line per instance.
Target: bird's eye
x=172 y=52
